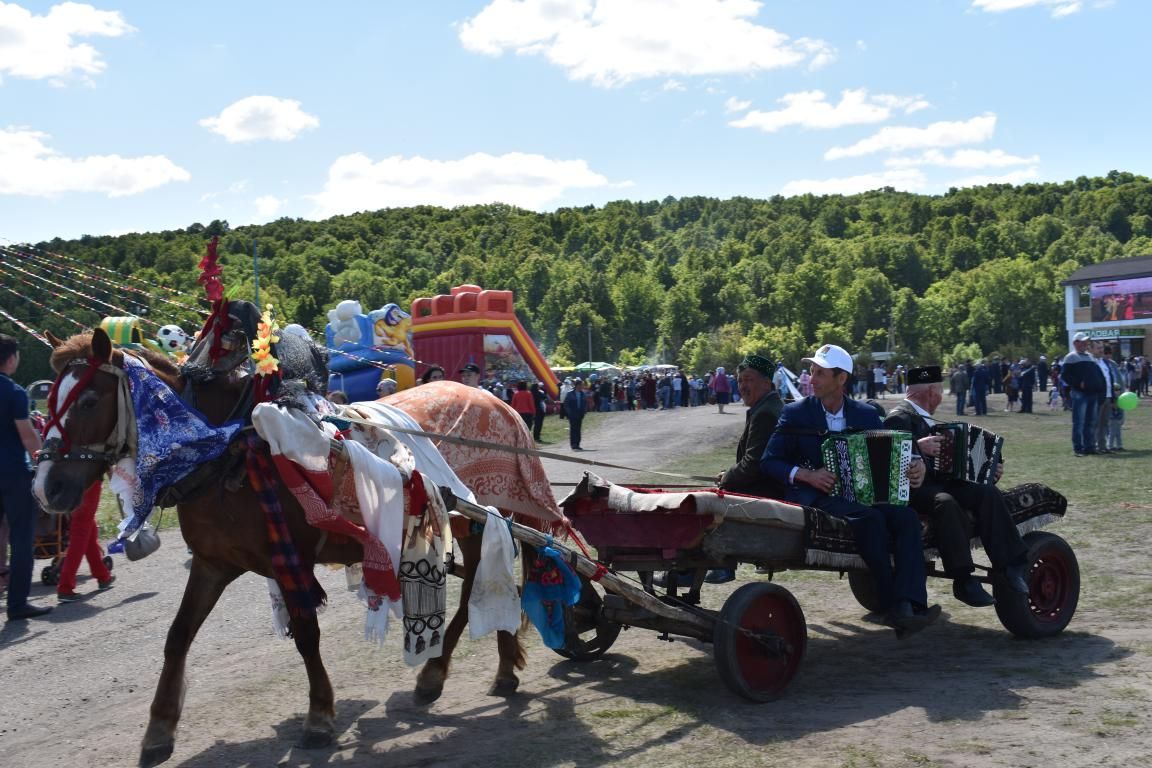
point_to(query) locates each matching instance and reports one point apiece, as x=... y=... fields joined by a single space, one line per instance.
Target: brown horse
x=224 y=529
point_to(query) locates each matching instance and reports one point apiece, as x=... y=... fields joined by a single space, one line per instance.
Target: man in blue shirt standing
x=18 y=442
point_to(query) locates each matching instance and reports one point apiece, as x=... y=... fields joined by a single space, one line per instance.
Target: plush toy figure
x=345 y=329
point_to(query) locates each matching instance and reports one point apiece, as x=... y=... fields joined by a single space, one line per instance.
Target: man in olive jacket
x=764 y=405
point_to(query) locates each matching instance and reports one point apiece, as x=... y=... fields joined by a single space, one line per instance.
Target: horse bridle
x=116 y=444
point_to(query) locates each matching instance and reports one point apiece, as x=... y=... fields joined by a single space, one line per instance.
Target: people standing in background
x=960 y=383
x=83 y=544
x=541 y=399
x=575 y=406
x=1113 y=386
x=981 y=380
x=470 y=375
x=18 y=444
x=434 y=373
x=524 y=404
x=721 y=388
x=1086 y=387
x=1042 y=373
x=1027 y=384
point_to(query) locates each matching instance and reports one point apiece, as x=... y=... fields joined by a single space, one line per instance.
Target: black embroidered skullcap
x=757 y=363
x=929 y=374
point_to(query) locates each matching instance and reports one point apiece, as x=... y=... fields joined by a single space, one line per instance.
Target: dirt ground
x=75 y=688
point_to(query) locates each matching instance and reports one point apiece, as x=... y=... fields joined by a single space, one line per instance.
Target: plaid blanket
x=302 y=593
x=828 y=540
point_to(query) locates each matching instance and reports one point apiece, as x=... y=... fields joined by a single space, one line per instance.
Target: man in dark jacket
x=1027 y=384
x=887 y=536
x=957 y=508
x=575 y=406
x=981 y=380
x=1086 y=386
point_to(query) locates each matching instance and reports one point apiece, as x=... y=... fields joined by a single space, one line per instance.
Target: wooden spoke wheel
x=1053 y=589
x=759 y=641
x=588 y=635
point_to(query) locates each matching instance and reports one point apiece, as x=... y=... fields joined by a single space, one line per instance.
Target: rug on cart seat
x=828 y=540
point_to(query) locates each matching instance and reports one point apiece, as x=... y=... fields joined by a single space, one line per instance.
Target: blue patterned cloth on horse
x=172 y=439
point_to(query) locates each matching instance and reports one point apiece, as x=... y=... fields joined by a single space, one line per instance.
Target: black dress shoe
x=721 y=576
x=971 y=592
x=27 y=612
x=1015 y=576
x=907 y=620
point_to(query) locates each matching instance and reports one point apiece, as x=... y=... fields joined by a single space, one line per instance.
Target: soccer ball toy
x=172 y=339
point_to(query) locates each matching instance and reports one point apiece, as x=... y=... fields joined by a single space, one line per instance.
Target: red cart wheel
x=1054 y=589
x=759 y=641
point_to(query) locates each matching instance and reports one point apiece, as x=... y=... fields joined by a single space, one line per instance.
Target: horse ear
x=53 y=339
x=101 y=345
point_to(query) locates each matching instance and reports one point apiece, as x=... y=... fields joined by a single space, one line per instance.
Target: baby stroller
x=51 y=542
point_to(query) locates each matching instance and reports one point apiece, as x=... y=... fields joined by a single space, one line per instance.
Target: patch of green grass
x=1113 y=720
x=631 y=712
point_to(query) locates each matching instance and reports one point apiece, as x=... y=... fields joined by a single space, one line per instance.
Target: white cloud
x=43 y=47
x=672 y=85
x=356 y=183
x=267 y=206
x=963 y=158
x=732 y=104
x=1015 y=177
x=903 y=138
x=261 y=117
x=905 y=180
x=1059 y=7
x=29 y=167
x=613 y=42
x=811 y=109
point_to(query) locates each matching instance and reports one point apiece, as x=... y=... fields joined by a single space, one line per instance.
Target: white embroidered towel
x=494 y=603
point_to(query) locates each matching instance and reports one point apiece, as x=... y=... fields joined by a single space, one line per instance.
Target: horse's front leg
x=319 y=726
x=206 y=582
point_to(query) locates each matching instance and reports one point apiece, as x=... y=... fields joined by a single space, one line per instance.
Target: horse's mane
x=80 y=347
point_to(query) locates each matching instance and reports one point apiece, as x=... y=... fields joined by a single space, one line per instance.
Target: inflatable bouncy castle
x=366 y=347
x=478 y=327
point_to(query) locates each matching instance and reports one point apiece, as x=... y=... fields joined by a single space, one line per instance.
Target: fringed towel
x=494 y=603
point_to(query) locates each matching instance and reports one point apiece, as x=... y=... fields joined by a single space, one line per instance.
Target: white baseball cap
x=831 y=356
x=1081 y=336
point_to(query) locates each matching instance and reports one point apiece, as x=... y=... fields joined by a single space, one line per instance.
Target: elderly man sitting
x=956 y=507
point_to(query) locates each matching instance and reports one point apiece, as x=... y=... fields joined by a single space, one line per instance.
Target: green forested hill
x=692 y=280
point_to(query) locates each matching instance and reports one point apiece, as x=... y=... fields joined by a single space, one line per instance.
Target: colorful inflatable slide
x=475 y=326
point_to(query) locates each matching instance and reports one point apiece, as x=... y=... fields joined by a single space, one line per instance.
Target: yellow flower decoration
x=267 y=334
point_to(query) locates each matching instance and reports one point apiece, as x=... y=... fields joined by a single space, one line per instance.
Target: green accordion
x=871 y=467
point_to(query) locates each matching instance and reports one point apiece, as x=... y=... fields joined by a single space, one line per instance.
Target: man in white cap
x=1086 y=384
x=884 y=532
x=386 y=387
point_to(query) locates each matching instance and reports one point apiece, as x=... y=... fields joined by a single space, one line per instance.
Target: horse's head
x=87 y=430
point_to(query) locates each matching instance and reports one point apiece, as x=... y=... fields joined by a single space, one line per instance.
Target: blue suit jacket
x=796 y=441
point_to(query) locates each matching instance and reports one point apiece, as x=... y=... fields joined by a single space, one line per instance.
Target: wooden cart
x=759 y=635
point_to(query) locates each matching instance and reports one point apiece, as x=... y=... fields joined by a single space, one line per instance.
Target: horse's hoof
x=425 y=696
x=313 y=739
x=155 y=755
x=504 y=687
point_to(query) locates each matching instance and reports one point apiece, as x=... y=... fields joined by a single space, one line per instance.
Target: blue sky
x=140 y=116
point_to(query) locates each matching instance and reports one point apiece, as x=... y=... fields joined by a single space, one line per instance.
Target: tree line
x=695 y=281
